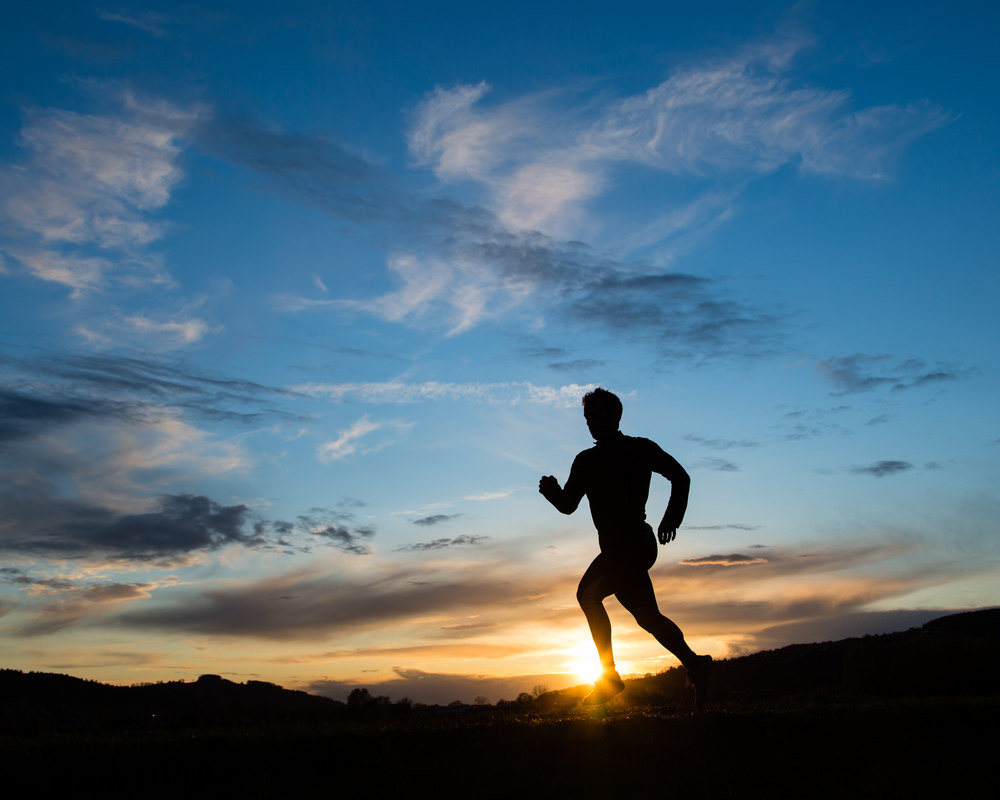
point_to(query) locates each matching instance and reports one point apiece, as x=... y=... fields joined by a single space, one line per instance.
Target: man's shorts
x=629 y=551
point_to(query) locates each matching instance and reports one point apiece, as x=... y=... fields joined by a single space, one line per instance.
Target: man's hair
x=602 y=398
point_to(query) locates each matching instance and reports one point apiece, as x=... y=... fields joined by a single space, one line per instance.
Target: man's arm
x=680 y=483
x=565 y=500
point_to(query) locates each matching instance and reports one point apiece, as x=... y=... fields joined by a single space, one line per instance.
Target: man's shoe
x=698 y=674
x=605 y=687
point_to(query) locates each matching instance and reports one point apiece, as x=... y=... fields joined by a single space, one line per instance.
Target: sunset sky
x=298 y=302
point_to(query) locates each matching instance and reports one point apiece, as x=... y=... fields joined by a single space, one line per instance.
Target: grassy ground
x=808 y=747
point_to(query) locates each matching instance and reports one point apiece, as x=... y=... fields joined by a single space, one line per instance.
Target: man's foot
x=605 y=687
x=698 y=674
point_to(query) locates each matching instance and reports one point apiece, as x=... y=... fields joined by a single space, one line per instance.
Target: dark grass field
x=808 y=747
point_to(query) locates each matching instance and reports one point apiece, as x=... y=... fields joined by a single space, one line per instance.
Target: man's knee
x=585 y=596
x=589 y=594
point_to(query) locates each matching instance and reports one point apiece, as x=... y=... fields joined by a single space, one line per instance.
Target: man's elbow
x=567 y=505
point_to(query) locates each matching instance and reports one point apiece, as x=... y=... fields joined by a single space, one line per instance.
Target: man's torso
x=615 y=475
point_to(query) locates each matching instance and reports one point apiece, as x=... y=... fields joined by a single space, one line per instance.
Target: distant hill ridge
x=951 y=655
x=42 y=700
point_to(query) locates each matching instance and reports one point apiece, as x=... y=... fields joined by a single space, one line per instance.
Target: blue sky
x=297 y=304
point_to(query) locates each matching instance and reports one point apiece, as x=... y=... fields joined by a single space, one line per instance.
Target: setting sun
x=582 y=662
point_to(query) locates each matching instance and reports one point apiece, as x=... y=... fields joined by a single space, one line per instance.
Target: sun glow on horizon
x=583 y=663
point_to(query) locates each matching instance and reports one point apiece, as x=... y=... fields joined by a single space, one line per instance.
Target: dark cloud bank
x=180 y=524
x=45 y=525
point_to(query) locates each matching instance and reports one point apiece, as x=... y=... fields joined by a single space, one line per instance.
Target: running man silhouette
x=615 y=475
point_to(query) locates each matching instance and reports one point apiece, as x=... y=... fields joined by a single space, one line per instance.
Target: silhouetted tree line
x=361 y=701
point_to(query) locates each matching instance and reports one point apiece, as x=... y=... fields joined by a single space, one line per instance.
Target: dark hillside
x=951 y=656
x=822 y=721
x=38 y=701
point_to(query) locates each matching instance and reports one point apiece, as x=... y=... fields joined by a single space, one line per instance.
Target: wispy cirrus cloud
x=543 y=161
x=722 y=444
x=151 y=22
x=402 y=392
x=735 y=526
x=349 y=441
x=862 y=373
x=738 y=116
x=158 y=334
x=457 y=266
x=482 y=496
x=460 y=291
x=134 y=386
x=173 y=332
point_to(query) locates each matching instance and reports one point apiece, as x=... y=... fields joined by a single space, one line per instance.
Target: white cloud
x=158 y=334
x=92 y=182
x=172 y=333
x=400 y=392
x=546 y=196
x=149 y=22
x=482 y=496
x=733 y=117
x=683 y=225
x=457 y=141
x=82 y=273
x=744 y=114
x=457 y=294
x=349 y=441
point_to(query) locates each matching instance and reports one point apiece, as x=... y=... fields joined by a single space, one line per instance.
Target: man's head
x=603 y=412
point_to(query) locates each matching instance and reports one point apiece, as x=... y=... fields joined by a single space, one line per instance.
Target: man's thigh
x=599 y=581
x=634 y=590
